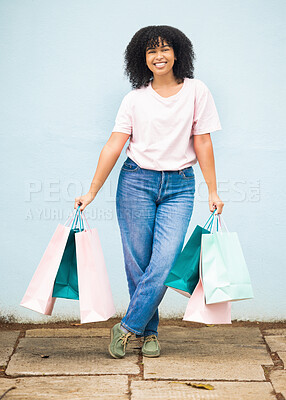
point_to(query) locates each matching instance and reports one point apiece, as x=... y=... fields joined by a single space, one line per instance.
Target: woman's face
x=160 y=60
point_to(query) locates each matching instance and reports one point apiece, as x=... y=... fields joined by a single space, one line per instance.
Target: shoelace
x=125 y=338
x=150 y=338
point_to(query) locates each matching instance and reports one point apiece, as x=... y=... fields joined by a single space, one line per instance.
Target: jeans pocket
x=187 y=173
x=130 y=165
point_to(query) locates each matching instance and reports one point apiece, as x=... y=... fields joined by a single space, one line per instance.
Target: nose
x=159 y=55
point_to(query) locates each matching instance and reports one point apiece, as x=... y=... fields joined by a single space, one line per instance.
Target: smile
x=160 y=65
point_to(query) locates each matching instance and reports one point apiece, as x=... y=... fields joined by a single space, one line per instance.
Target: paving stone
x=68 y=332
x=218 y=333
x=275 y=331
x=66 y=388
x=184 y=368
x=7 y=343
x=276 y=343
x=69 y=356
x=167 y=390
x=282 y=355
x=278 y=379
x=209 y=353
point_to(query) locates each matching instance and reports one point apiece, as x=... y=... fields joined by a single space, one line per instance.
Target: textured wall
x=61 y=72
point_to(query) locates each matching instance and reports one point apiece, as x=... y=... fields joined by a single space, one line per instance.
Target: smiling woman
x=168 y=116
x=160 y=60
x=168 y=42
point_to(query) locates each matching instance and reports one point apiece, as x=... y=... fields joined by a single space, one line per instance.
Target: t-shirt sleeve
x=206 y=117
x=123 y=120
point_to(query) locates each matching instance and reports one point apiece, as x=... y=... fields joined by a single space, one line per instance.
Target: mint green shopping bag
x=66 y=281
x=184 y=274
x=224 y=271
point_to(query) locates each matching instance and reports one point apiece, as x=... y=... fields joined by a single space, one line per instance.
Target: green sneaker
x=118 y=341
x=151 y=346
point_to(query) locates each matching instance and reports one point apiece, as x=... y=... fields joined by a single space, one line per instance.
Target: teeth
x=160 y=64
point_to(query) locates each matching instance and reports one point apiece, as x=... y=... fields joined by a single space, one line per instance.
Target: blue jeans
x=154 y=209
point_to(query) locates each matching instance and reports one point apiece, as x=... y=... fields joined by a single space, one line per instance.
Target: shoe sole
x=151 y=355
x=109 y=349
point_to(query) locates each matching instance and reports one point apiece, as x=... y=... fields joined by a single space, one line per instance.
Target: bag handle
x=208 y=225
x=85 y=220
x=82 y=223
x=221 y=220
x=70 y=217
x=218 y=224
x=215 y=223
x=75 y=220
x=78 y=218
x=77 y=212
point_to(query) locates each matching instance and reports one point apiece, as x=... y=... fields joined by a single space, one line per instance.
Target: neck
x=164 y=80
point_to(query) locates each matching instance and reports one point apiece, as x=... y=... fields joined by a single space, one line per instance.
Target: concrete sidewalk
x=74 y=363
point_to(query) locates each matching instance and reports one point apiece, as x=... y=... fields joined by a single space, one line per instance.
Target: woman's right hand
x=83 y=201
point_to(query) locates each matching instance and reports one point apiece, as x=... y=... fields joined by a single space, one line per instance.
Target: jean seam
x=161 y=183
x=148 y=333
x=130 y=170
x=187 y=177
x=142 y=283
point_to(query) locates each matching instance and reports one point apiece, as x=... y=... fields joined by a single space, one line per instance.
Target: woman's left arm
x=204 y=151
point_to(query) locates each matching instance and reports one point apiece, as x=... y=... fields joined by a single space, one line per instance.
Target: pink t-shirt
x=161 y=129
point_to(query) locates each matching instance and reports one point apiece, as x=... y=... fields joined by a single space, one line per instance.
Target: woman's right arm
x=107 y=159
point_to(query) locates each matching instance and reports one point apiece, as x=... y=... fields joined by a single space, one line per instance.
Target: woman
x=168 y=116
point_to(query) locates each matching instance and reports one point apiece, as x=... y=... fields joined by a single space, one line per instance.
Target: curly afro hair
x=136 y=68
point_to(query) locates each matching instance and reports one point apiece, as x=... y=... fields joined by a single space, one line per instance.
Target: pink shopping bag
x=95 y=296
x=198 y=311
x=38 y=296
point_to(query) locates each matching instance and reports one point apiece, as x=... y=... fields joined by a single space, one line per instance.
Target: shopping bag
x=184 y=274
x=95 y=296
x=225 y=274
x=38 y=296
x=66 y=282
x=198 y=311
x=92 y=284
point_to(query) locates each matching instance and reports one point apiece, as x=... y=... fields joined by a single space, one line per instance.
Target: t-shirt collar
x=170 y=98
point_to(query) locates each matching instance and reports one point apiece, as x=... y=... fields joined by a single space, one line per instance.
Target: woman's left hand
x=215 y=203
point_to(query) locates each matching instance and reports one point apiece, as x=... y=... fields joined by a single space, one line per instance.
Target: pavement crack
x=267 y=369
x=4 y=394
x=20 y=336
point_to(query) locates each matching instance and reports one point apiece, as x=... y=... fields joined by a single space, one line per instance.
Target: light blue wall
x=61 y=72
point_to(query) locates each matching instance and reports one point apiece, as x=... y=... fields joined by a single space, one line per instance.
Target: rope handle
x=208 y=225
x=86 y=220
x=76 y=216
x=221 y=220
x=215 y=224
x=218 y=223
x=70 y=218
